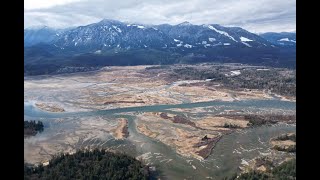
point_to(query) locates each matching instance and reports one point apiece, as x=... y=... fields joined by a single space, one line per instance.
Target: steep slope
x=109 y=34
x=111 y=42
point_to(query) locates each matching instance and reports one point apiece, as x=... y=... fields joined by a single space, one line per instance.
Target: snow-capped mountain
x=211 y=35
x=111 y=42
x=281 y=39
x=108 y=34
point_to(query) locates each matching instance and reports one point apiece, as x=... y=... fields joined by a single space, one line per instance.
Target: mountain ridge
x=111 y=42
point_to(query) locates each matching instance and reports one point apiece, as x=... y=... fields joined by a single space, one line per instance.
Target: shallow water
x=30 y=110
x=228 y=154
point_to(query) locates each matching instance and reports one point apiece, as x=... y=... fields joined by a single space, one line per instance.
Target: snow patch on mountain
x=218 y=44
x=222 y=32
x=212 y=39
x=246 y=44
x=287 y=39
x=118 y=29
x=116 y=34
x=98 y=52
x=138 y=26
x=244 y=39
x=284 y=39
x=235 y=73
x=188 y=46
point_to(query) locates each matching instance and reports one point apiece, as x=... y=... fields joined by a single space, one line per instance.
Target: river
x=232 y=150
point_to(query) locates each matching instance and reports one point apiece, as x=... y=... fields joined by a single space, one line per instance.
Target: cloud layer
x=256 y=16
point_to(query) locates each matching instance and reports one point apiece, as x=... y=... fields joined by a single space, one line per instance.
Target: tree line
x=273 y=79
x=31 y=128
x=285 y=171
x=84 y=164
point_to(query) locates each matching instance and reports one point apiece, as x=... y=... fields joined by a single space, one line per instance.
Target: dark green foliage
x=253 y=175
x=285 y=171
x=97 y=164
x=292 y=149
x=289 y=149
x=271 y=80
x=188 y=73
x=41 y=64
x=205 y=138
x=285 y=137
x=275 y=80
x=48 y=59
x=258 y=120
x=229 y=125
x=232 y=177
x=32 y=127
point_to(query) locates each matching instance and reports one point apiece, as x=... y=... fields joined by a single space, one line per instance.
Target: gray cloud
x=253 y=15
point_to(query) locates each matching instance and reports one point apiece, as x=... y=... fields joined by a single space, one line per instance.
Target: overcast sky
x=254 y=15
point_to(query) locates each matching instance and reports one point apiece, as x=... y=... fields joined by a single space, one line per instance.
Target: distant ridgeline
x=96 y=164
x=110 y=42
x=31 y=128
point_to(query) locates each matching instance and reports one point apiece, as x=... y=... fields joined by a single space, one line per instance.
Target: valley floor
x=131 y=86
x=158 y=114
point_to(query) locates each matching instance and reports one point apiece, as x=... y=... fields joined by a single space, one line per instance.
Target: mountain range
x=111 y=42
